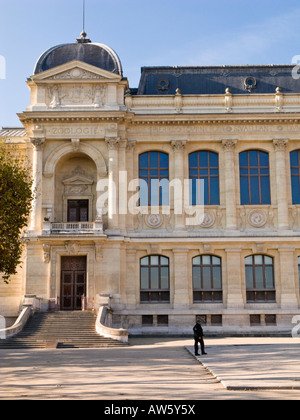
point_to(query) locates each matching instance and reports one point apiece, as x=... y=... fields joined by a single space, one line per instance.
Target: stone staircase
x=59 y=330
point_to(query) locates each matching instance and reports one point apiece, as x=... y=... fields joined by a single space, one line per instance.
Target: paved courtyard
x=156 y=369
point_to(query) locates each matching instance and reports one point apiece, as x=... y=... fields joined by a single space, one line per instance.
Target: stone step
x=60 y=330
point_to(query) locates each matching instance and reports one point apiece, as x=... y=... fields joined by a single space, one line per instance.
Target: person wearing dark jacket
x=198 y=337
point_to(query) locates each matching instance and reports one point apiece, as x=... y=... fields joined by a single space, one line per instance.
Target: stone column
x=123 y=186
x=234 y=279
x=113 y=186
x=230 y=184
x=36 y=213
x=181 y=283
x=178 y=183
x=281 y=183
x=129 y=290
x=130 y=176
x=287 y=276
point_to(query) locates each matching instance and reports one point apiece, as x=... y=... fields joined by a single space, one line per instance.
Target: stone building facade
x=221 y=243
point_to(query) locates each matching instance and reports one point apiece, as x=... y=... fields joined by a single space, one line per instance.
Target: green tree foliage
x=15 y=204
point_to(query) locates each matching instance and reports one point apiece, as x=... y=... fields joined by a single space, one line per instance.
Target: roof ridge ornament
x=83 y=36
x=83 y=39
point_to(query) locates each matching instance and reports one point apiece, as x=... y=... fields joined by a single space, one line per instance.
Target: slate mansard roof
x=214 y=80
x=98 y=55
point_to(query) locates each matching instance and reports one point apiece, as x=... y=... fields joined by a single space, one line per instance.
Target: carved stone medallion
x=206 y=220
x=154 y=221
x=257 y=218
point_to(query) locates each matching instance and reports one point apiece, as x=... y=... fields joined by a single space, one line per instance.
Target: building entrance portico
x=73 y=282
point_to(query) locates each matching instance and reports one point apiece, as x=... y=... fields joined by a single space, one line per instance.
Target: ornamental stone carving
x=178 y=145
x=228 y=100
x=112 y=143
x=257 y=218
x=77 y=95
x=154 y=221
x=37 y=143
x=280 y=144
x=46 y=250
x=229 y=145
x=76 y=73
x=206 y=220
x=72 y=247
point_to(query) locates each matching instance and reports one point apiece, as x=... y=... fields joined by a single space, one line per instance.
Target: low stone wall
x=18 y=325
x=116 y=334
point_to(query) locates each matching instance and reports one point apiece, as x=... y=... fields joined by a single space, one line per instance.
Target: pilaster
x=181 y=282
x=281 y=183
x=36 y=214
x=230 y=184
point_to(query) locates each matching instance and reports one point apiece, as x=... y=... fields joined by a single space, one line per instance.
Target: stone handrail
x=114 y=333
x=18 y=325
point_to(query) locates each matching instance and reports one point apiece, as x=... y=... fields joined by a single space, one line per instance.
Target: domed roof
x=98 y=55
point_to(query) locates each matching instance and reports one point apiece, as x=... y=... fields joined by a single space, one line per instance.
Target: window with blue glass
x=254 y=177
x=154 y=179
x=204 y=178
x=295 y=176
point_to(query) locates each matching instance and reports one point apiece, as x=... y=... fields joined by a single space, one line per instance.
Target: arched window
x=155 y=279
x=154 y=179
x=254 y=177
x=295 y=176
x=204 y=165
x=260 y=283
x=207 y=279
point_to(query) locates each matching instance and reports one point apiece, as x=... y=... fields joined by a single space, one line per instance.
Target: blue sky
x=144 y=33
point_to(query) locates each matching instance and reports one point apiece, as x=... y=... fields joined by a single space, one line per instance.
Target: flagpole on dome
x=83 y=36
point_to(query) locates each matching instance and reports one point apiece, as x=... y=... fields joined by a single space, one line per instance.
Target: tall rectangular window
x=154 y=179
x=207 y=279
x=260 y=285
x=204 y=165
x=254 y=177
x=155 y=279
x=295 y=176
x=78 y=210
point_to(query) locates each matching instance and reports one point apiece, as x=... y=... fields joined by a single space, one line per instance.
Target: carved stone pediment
x=76 y=85
x=75 y=70
x=78 y=180
x=76 y=74
x=79 y=183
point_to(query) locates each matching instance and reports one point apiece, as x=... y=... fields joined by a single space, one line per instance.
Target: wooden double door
x=73 y=283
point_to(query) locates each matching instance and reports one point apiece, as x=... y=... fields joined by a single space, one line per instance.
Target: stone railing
x=74 y=227
x=226 y=103
x=18 y=325
x=108 y=332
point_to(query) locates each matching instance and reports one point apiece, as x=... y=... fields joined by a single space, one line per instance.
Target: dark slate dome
x=98 y=55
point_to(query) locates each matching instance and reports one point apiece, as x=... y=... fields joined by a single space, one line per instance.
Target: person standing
x=198 y=337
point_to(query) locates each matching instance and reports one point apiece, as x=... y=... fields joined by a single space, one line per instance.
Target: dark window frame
x=199 y=168
x=260 y=294
x=299 y=270
x=295 y=177
x=78 y=205
x=250 y=175
x=207 y=295
x=150 y=294
x=150 y=177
